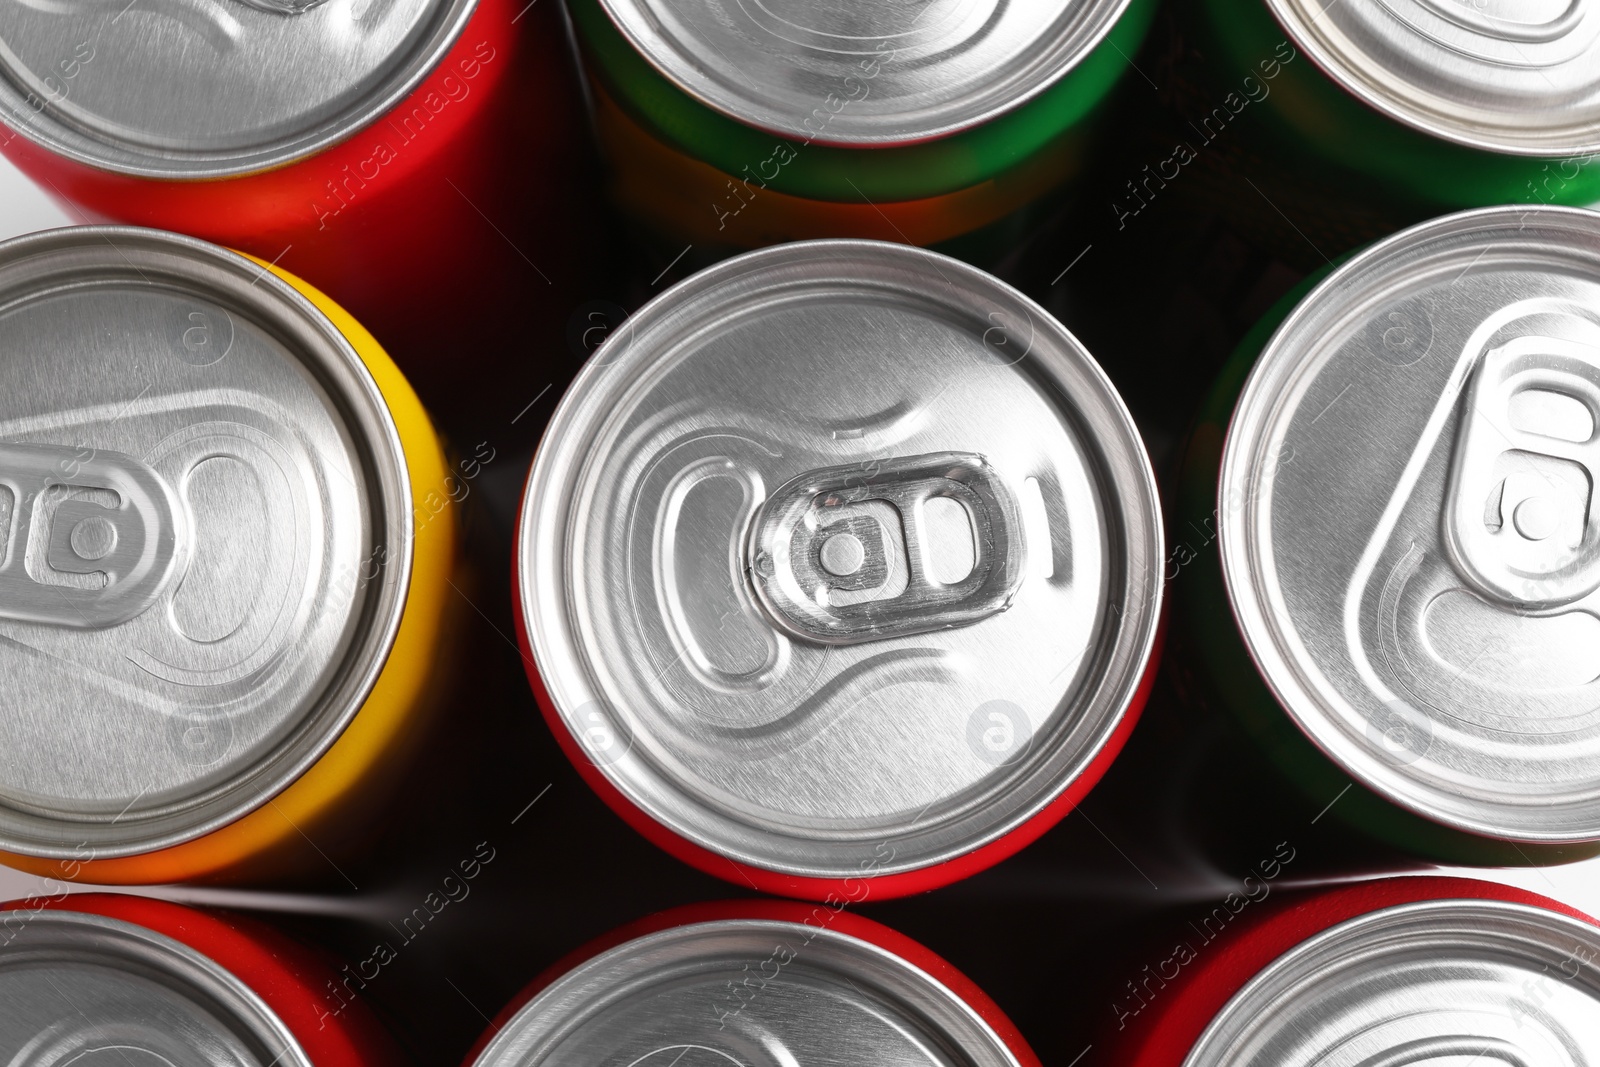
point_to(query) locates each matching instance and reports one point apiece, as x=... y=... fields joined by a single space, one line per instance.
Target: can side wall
x=437 y=208
x=1313 y=119
x=1217 y=661
x=338 y=792
x=289 y=976
x=1163 y=1034
x=816 y=170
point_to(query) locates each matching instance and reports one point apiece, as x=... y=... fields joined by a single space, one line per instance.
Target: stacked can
x=1406 y=970
x=399 y=154
x=838 y=570
x=733 y=126
x=96 y=979
x=224 y=579
x=1404 y=509
x=753 y=982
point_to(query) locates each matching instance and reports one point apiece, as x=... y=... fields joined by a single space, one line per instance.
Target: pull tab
x=128 y=552
x=849 y=554
x=1520 y=519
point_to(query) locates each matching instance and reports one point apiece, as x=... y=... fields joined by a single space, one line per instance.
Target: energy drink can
x=223 y=584
x=734 y=126
x=1408 y=538
x=401 y=155
x=838 y=570
x=1416 y=969
x=101 y=979
x=751 y=981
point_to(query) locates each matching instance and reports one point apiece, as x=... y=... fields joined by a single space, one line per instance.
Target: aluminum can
x=401 y=155
x=105 y=979
x=1430 y=969
x=837 y=570
x=1403 y=525
x=223 y=585
x=732 y=126
x=1445 y=106
x=753 y=981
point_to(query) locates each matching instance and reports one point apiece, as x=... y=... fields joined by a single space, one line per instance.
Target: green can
x=1436 y=104
x=1387 y=566
x=740 y=124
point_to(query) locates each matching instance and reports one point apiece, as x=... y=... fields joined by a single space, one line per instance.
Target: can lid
x=1520 y=77
x=871 y=73
x=98 y=992
x=841 y=557
x=745 y=992
x=1439 y=982
x=1408 y=520
x=210 y=88
x=206 y=527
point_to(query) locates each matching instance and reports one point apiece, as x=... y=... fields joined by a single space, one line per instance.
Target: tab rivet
x=93 y=538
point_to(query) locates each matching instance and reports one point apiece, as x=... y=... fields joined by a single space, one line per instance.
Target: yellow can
x=223 y=596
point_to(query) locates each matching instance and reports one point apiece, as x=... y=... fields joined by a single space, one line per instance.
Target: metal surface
x=874 y=73
x=936 y=722
x=1448 y=983
x=1520 y=77
x=95 y=992
x=207 y=88
x=1409 y=526
x=205 y=521
x=746 y=993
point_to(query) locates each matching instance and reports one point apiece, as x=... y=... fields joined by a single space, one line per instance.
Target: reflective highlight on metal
x=1512 y=77
x=100 y=992
x=1441 y=981
x=211 y=88
x=795 y=534
x=900 y=73
x=207 y=526
x=663 y=998
x=1429 y=557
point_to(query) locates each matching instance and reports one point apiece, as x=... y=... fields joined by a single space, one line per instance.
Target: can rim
x=1240 y=551
x=544 y=591
x=236 y=282
x=549 y=1013
x=1376 y=93
x=1270 y=983
x=148 y=951
x=633 y=20
x=73 y=142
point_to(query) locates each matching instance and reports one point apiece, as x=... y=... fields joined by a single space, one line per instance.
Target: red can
x=1435 y=967
x=696 y=985
x=401 y=155
x=101 y=978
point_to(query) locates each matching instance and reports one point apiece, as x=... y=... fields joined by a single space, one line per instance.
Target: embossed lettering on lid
x=1514 y=76
x=666 y=998
x=841 y=553
x=196 y=473
x=1443 y=983
x=868 y=71
x=96 y=992
x=1421 y=583
x=202 y=88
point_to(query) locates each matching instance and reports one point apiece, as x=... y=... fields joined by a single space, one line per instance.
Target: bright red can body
x=110 y=978
x=420 y=214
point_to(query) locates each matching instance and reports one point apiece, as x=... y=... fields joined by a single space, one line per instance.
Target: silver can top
x=206 y=529
x=210 y=88
x=872 y=72
x=747 y=993
x=1520 y=77
x=1445 y=982
x=1408 y=522
x=841 y=556
x=97 y=992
